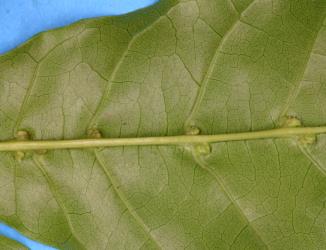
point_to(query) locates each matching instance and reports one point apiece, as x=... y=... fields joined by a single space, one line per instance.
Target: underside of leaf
x=221 y=66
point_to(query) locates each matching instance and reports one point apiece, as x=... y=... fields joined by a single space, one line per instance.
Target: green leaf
x=10 y=244
x=221 y=66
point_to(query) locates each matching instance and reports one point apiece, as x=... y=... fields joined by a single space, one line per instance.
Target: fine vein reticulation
x=233 y=90
x=164 y=140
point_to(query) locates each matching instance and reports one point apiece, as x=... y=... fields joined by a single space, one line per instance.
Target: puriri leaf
x=209 y=66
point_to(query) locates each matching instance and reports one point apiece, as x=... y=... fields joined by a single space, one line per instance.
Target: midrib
x=288 y=132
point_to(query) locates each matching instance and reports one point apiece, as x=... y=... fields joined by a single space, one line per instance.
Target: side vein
x=212 y=64
x=32 y=83
x=218 y=180
x=294 y=94
x=107 y=90
x=312 y=159
x=124 y=200
x=57 y=199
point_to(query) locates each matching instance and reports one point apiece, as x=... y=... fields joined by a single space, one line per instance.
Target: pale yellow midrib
x=163 y=140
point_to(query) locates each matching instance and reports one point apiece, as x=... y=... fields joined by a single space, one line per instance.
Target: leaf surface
x=10 y=244
x=220 y=65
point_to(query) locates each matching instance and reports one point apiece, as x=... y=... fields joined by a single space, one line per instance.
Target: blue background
x=22 y=19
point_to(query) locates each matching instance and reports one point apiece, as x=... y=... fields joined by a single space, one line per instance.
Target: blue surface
x=15 y=235
x=21 y=19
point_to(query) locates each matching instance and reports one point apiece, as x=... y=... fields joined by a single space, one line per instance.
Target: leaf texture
x=220 y=65
x=10 y=245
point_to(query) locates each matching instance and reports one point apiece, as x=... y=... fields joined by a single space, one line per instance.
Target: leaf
x=221 y=66
x=9 y=244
